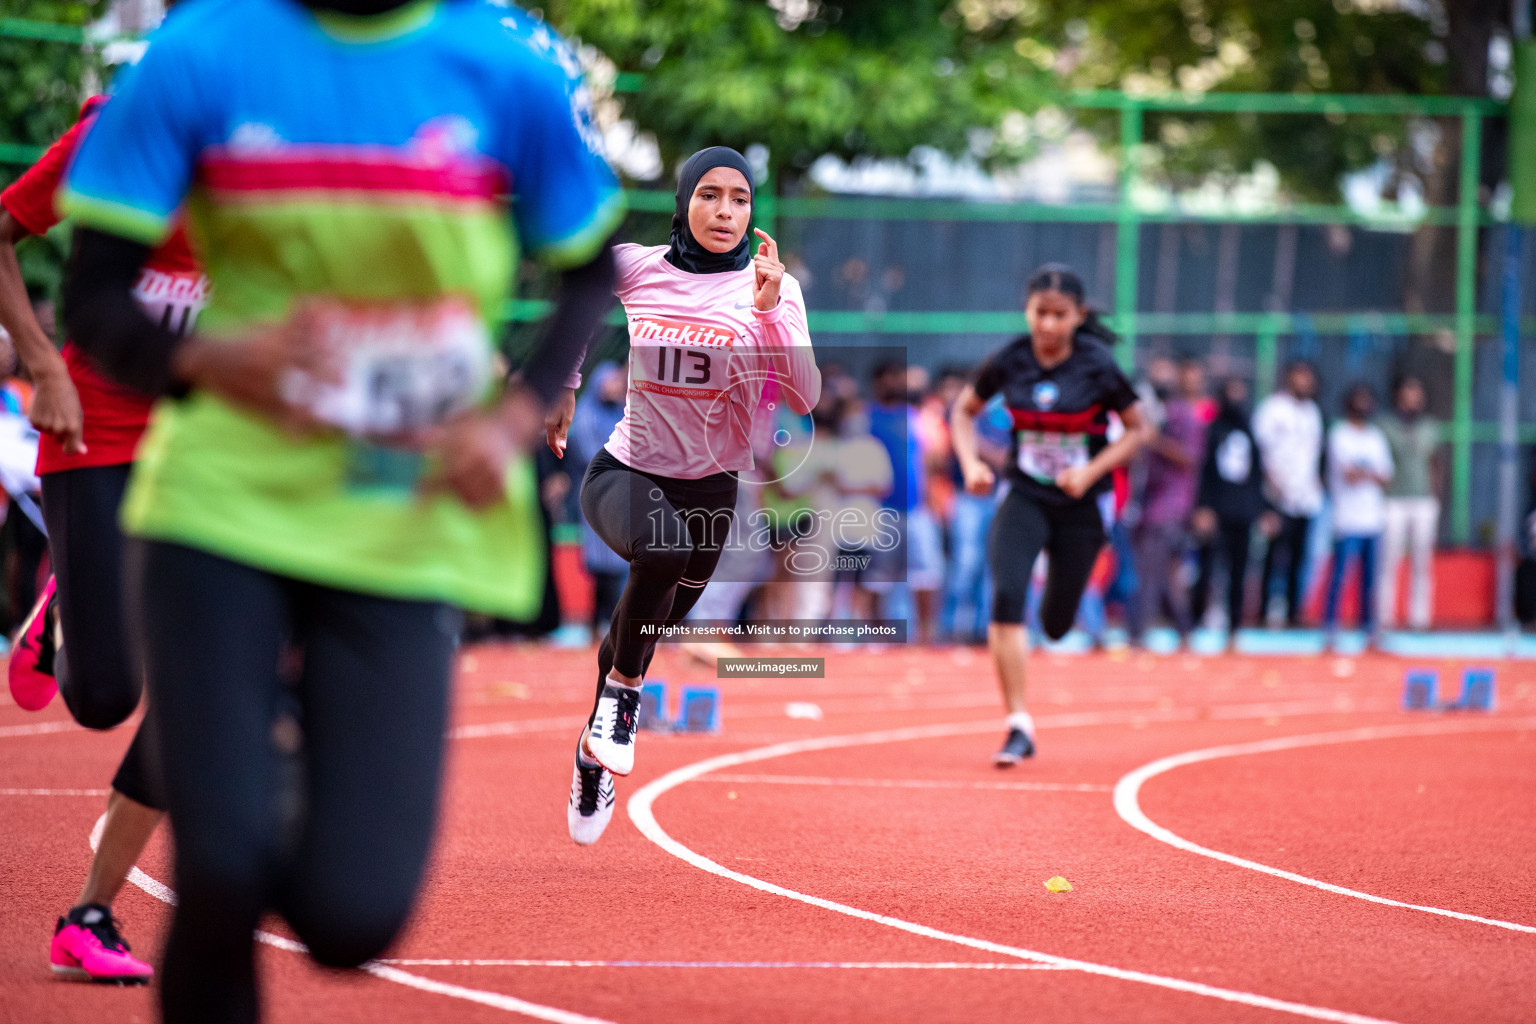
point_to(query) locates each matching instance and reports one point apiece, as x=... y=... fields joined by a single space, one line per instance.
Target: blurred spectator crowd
x=1234 y=516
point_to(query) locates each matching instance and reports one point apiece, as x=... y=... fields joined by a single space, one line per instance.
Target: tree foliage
x=41 y=88
x=871 y=78
x=851 y=78
x=1300 y=46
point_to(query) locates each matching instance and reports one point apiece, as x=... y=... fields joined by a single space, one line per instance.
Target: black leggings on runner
x=99 y=685
x=1070 y=534
x=338 y=847
x=671 y=533
x=96 y=674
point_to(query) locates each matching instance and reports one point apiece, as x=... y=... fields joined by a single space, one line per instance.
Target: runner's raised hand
x=765 y=289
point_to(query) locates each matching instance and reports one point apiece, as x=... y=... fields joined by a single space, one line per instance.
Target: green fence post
x=1265 y=348
x=765 y=213
x=1127 y=237
x=1466 y=324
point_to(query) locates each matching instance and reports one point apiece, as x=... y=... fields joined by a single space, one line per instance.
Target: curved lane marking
x=160 y=891
x=854 y=965
x=165 y=894
x=822 y=780
x=1128 y=805
x=642 y=813
x=1116 y=716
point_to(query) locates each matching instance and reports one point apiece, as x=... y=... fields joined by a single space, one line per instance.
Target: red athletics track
x=888 y=808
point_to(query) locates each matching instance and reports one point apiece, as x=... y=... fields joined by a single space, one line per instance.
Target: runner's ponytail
x=1093 y=327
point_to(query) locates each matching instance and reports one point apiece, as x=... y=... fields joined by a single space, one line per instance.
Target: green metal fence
x=1127 y=217
x=1466 y=217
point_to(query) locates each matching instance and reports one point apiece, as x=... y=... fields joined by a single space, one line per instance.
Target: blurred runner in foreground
x=90 y=429
x=332 y=464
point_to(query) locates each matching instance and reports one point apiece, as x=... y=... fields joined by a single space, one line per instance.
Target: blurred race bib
x=399 y=369
x=1043 y=455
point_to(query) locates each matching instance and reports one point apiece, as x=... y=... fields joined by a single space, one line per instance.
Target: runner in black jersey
x=1060 y=383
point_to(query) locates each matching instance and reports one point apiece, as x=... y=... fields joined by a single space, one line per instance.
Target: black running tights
x=99 y=685
x=97 y=678
x=339 y=850
x=671 y=533
x=1070 y=534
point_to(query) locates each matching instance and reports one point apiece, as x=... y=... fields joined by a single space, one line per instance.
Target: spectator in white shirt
x=1413 y=510
x=1359 y=469
x=1288 y=427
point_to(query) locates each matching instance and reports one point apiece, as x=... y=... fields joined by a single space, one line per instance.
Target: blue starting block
x=1476 y=691
x=698 y=710
x=653 y=706
x=1421 y=690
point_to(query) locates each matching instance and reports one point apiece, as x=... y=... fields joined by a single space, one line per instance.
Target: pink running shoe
x=31 y=667
x=87 y=947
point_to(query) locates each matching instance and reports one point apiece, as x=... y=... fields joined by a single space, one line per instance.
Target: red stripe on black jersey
x=1089 y=421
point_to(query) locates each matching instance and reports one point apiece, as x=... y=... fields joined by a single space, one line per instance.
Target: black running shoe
x=1016 y=748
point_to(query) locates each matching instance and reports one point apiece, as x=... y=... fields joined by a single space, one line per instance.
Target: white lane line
x=55 y=792
x=641 y=812
x=1201 y=712
x=35 y=729
x=850 y=965
x=516 y=727
x=883 y=702
x=815 y=780
x=160 y=891
x=1128 y=806
x=165 y=894
x=1116 y=716
x=875 y=702
x=495 y=1000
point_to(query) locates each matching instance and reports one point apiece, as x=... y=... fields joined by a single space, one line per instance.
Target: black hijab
x=686 y=253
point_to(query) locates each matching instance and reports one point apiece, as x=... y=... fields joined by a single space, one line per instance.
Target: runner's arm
x=979 y=477
x=800 y=378
x=1137 y=432
x=584 y=298
x=103 y=318
x=55 y=405
x=36 y=352
x=553 y=369
x=787 y=339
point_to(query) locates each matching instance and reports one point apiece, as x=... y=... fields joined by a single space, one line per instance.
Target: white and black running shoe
x=591 y=806
x=1016 y=748
x=611 y=737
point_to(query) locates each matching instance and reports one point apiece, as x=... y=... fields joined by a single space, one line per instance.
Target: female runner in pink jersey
x=709 y=324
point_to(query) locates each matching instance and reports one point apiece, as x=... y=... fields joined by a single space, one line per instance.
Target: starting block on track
x=698 y=710
x=653 y=706
x=1420 y=689
x=1476 y=691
